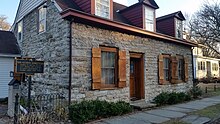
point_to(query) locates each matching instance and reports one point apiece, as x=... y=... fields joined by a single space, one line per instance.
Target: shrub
x=171 y=98
x=162 y=98
x=90 y=110
x=196 y=92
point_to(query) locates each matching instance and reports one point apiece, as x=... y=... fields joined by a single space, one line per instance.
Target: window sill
x=109 y=88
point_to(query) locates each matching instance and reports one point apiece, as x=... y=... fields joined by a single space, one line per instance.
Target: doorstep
x=141 y=104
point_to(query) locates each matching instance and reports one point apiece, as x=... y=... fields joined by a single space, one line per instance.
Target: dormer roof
x=150 y=3
x=178 y=15
x=119 y=21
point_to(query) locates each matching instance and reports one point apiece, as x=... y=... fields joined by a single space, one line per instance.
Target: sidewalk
x=167 y=113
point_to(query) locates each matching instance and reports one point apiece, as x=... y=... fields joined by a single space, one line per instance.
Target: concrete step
x=141 y=104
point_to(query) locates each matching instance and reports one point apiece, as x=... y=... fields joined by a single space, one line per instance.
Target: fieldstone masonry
x=85 y=37
x=52 y=47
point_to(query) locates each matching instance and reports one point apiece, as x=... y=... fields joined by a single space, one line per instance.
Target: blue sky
x=9 y=7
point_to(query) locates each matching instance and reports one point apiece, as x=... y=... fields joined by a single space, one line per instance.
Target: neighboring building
x=104 y=50
x=9 y=49
x=204 y=66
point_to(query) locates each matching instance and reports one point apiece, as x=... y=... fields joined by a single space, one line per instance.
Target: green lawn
x=211 y=112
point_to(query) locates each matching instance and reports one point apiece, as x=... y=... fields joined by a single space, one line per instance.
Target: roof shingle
x=8 y=43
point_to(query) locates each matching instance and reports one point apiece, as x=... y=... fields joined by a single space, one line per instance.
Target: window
x=102 y=8
x=180 y=69
x=149 y=19
x=201 y=65
x=20 y=31
x=108 y=66
x=172 y=69
x=214 y=66
x=42 y=19
x=179 y=29
x=166 y=62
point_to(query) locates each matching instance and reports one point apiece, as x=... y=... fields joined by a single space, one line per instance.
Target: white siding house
x=8 y=51
x=204 y=66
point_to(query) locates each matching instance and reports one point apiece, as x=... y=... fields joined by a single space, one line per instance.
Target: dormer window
x=102 y=8
x=149 y=18
x=179 y=29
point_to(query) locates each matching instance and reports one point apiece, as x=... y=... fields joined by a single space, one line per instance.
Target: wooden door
x=136 y=78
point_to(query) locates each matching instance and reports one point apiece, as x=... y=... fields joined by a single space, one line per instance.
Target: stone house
x=99 y=49
x=9 y=49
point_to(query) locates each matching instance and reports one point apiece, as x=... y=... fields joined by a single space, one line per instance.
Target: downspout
x=193 y=73
x=70 y=63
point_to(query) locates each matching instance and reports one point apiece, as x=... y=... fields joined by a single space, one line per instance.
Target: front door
x=209 y=73
x=136 y=77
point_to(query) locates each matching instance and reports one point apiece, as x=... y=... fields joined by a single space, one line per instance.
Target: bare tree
x=205 y=27
x=4 y=25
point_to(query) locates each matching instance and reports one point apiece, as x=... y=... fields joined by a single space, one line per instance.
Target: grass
x=210 y=112
x=210 y=89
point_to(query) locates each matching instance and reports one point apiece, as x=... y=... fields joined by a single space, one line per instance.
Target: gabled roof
x=150 y=3
x=178 y=15
x=8 y=44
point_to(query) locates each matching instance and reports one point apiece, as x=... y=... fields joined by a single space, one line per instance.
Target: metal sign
x=29 y=66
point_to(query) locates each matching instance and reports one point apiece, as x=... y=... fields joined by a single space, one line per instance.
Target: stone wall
x=85 y=37
x=52 y=47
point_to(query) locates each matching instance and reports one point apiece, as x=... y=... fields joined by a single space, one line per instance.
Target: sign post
x=29 y=66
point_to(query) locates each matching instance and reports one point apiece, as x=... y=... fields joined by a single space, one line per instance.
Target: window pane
x=102 y=8
x=166 y=62
x=42 y=19
x=179 y=29
x=180 y=69
x=149 y=19
x=108 y=67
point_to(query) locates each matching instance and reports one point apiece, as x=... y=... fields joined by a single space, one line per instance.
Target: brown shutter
x=186 y=71
x=122 y=69
x=174 y=76
x=96 y=68
x=160 y=68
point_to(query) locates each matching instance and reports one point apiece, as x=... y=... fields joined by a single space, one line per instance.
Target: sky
x=9 y=7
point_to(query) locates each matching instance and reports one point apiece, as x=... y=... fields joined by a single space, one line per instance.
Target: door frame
x=139 y=56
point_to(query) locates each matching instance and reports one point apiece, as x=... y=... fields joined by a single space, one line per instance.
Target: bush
x=171 y=98
x=90 y=110
x=161 y=99
x=196 y=92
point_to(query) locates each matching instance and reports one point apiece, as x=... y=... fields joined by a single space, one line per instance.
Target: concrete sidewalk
x=167 y=113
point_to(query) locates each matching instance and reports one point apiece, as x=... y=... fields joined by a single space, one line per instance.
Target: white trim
x=57 y=6
x=10 y=55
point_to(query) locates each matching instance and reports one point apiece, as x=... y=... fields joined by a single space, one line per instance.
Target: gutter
x=70 y=64
x=193 y=73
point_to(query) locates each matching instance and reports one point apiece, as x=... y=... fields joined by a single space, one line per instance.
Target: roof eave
x=70 y=13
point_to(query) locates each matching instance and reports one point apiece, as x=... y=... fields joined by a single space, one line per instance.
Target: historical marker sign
x=29 y=66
